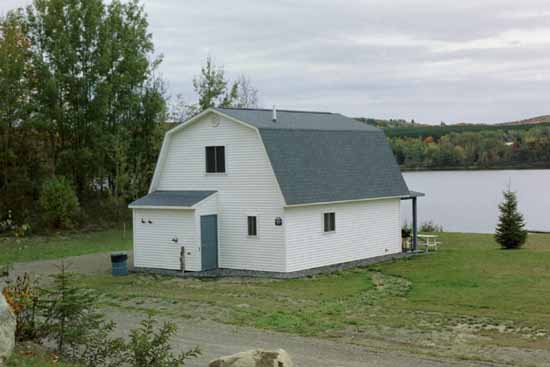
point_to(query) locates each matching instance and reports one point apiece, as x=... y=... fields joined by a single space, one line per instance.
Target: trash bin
x=119 y=262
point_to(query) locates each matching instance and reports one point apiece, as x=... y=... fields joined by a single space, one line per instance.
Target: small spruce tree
x=70 y=312
x=510 y=232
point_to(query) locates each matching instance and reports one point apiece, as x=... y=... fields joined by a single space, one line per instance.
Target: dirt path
x=219 y=339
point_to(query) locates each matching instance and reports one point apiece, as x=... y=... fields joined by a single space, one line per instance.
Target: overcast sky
x=428 y=60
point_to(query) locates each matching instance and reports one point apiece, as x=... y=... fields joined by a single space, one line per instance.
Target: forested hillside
x=472 y=146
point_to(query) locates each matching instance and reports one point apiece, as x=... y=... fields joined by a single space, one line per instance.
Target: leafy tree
x=94 y=82
x=510 y=232
x=211 y=86
x=59 y=202
x=214 y=90
x=79 y=99
x=17 y=146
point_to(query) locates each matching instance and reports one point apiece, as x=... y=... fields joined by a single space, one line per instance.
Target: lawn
x=466 y=300
x=472 y=276
x=62 y=245
x=469 y=288
x=31 y=355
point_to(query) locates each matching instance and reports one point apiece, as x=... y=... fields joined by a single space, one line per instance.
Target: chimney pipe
x=274 y=114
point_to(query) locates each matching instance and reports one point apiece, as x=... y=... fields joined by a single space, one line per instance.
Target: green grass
x=31 y=355
x=469 y=281
x=468 y=295
x=472 y=276
x=21 y=360
x=62 y=245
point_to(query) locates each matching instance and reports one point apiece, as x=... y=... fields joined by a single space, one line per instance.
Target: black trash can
x=119 y=262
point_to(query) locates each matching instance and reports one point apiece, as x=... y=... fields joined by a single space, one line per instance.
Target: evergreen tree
x=510 y=232
x=70 y=312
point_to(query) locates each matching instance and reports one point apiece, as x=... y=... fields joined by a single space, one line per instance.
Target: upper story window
x=215 y=159
x=330 y=222
x=252 y=226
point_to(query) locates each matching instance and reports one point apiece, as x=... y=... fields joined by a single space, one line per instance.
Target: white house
x=269 y=191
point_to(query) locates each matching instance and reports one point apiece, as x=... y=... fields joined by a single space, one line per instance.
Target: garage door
x=159 y=236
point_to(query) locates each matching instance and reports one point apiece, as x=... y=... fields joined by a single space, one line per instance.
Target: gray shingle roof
x=295 y=119
x=172 y=198
x=323 y=157
x=324 y=166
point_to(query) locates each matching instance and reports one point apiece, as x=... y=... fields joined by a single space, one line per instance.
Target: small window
x=252 y=226
x=330 y=222
x=215 y=159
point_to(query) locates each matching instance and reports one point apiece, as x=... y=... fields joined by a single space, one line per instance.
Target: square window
x=252 y=226
x=215 y=159
x=330 y=222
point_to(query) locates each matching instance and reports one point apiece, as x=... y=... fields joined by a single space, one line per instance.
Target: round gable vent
x=215 y=121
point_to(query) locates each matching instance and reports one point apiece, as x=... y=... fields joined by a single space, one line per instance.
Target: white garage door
x=155 y=232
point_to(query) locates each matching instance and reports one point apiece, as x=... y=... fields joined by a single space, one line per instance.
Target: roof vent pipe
x=274 y=114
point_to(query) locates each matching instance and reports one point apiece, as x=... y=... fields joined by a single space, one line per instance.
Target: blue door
x=209 y=241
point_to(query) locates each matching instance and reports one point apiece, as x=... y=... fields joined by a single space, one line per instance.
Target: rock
x=254 y=358
x=7 y=330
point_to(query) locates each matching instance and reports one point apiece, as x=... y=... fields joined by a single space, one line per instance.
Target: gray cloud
x=430 y=60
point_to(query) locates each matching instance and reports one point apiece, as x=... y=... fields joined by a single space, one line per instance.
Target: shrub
x=66 y=315
x=510 y=232
x=23 y=298
x=430 y=226
x=151 y=348
x=406 y=231
x=59 y=202
x=9 y=225
x=100 y=349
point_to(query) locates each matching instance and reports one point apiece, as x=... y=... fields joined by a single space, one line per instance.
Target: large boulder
x=7 y=330
x=254 y=358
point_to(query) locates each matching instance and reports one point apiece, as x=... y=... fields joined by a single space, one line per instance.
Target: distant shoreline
x=541 y=165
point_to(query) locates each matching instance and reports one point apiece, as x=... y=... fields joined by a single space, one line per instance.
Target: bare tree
x=247 y=95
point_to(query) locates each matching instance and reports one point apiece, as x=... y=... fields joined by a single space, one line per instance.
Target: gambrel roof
x=321 y=157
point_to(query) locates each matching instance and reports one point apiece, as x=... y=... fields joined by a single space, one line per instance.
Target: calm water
x=467 y=201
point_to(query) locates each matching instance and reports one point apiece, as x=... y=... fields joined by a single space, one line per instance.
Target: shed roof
x=172 y=198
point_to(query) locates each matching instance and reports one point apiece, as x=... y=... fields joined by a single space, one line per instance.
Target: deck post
x=414 y=224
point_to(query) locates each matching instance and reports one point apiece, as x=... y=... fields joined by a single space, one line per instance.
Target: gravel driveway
x=218 y=339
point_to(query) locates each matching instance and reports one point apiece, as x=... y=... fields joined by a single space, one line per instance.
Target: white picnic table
x=429 y=240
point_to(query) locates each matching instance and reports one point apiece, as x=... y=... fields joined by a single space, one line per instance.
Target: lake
x=467 y=201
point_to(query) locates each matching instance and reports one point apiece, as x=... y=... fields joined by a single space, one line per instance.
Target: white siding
x=363 y=229
x=153 y=246
x=248 y=186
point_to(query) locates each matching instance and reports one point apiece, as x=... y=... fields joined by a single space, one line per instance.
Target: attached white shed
x=176 y=230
